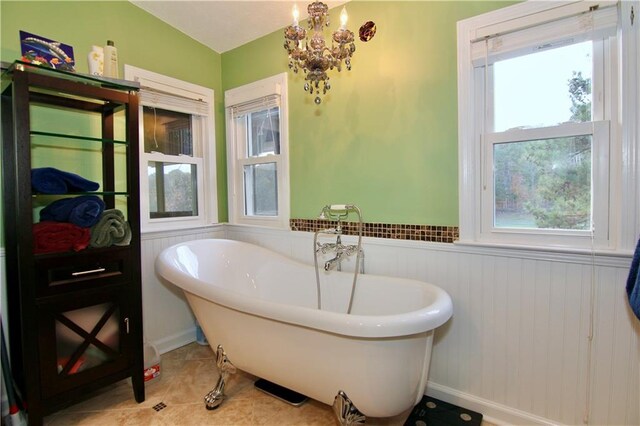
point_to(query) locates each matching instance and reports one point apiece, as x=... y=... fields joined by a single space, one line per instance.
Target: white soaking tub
x=262 y=308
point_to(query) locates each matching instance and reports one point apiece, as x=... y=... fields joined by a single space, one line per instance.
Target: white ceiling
x=225 y=25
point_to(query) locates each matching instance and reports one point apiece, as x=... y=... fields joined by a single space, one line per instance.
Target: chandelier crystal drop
x=310 y=53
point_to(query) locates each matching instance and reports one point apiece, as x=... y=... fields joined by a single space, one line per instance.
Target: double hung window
x=536 y=105
x=257 y=153
x=176 y=152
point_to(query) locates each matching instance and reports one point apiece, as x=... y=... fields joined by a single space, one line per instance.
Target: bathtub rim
x=353 y=325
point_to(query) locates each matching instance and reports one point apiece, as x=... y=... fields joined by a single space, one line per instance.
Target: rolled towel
x=48 y=180
x=50 y=237
x=83 y=211
x=633 y=282
x=111 y=229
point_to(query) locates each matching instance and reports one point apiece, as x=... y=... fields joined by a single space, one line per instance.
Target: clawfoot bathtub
x=261 y=307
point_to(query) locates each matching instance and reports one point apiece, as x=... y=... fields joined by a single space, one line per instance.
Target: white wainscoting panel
x=517 y=347
x=168 y=321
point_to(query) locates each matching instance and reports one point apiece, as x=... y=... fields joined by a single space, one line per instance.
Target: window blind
x=260 y=104
x=161 y=96
x=568 y=24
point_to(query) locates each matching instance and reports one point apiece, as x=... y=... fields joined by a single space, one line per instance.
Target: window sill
x=181 y=231
x=601 y=257
x=276 y=223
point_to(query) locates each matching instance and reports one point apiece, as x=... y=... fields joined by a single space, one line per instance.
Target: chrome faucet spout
x=331 y=263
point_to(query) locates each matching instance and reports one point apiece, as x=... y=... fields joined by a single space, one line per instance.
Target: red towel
x=49 y=237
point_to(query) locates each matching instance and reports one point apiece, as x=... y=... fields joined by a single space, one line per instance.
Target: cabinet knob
x=126 y=323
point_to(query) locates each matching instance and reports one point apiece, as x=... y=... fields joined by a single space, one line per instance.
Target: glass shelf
x=110 y=83
x=40 y=194
x=84 y=138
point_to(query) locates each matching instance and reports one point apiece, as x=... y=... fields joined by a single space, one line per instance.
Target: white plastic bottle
x=151 y=361
x=95 y=60
x=110 y=60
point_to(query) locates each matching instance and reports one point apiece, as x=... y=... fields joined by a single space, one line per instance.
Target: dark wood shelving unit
x=75 y=317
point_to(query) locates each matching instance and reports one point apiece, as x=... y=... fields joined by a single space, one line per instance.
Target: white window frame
x=203 y=149
x=614 y=174
x=237 y=158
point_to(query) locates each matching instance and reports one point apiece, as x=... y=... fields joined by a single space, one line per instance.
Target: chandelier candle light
x=312 y=54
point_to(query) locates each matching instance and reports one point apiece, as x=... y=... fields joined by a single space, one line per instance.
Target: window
x=257 y=147
x=177 y=155
x=538 y=96
x=172 y=186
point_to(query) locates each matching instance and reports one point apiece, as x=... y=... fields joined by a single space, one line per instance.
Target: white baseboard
x=176 y=341
x=492 y=412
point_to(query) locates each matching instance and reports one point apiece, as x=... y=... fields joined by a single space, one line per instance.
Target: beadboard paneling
x=168 y=321
x=517 y=347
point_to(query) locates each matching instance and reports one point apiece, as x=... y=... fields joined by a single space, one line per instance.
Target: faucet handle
x=351 y=249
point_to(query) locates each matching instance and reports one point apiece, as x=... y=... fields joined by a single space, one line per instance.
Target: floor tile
x=187 y=375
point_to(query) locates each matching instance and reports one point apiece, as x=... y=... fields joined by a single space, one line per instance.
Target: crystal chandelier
x=312 y=54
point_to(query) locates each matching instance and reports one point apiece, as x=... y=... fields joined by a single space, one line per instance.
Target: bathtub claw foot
x=214 y=398
x=346 y=412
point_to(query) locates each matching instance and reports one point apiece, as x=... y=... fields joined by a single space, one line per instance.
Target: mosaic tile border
x=438 y=234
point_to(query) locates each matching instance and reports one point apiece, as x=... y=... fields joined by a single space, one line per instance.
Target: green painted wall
x=385 y=137
x=142 y=41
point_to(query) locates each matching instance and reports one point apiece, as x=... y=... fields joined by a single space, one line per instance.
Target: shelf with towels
x=126 y=194
x=72 y=239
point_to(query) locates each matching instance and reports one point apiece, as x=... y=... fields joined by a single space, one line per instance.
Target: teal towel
x=111 y=229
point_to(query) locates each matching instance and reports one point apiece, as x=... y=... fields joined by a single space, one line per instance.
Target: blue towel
x=83 y=211
x=633 y=282
x=47 y=180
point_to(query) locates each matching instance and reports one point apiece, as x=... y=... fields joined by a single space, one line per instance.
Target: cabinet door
x=83 y=339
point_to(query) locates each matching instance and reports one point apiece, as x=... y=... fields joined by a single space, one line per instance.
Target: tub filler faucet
x=338 y=212
x=340 y=250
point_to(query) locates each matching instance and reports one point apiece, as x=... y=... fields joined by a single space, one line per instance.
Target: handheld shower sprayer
x=335 y=211
x=338 y=212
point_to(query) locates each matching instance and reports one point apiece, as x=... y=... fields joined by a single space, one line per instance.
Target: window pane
x=168 y=132
x=173 y=189
x=543 y=89
x=543 y=184
x=264 y=137
x=261 y=190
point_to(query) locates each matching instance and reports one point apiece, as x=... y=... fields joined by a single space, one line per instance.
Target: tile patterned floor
x=188 y=373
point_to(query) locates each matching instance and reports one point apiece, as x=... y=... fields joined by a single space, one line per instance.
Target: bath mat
x=433 y=412
x=280 y=392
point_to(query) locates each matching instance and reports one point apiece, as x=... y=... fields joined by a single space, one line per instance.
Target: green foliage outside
x=177 y=192
x=547 y=181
